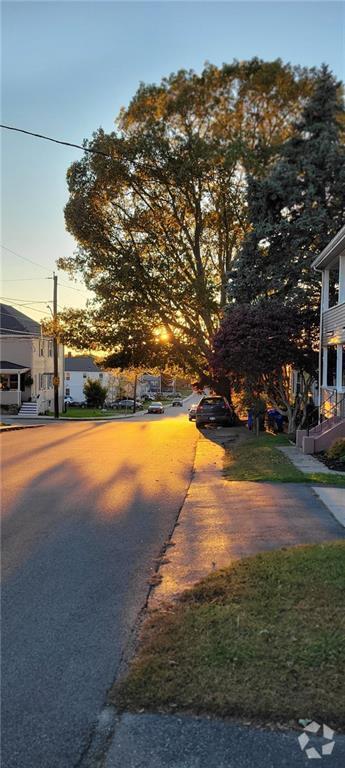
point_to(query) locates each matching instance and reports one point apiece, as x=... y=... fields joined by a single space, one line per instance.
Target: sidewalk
x=222 y=521
x=14 y=427
x=170 y=741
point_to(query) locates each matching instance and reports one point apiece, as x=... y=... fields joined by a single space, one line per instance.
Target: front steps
x=322 y=436
x=29 y=410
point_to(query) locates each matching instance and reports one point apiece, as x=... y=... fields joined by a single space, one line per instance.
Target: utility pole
x=135 y=393
x=55 y=350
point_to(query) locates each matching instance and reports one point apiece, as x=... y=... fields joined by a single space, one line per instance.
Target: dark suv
x=214 y=410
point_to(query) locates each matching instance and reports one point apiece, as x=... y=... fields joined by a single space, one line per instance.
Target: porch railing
x=331 y=410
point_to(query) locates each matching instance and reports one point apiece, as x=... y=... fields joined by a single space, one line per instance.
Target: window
x=41 y=380
x=84 y=375
x=331 y=366
x=50 y=348
x=67 y=376
x=101 y=375
x=41 y=348
x=13 y=381
x=333 y=285
x=50 y=377
x=67 y=391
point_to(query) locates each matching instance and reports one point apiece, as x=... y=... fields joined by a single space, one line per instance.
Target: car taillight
x=199 y=409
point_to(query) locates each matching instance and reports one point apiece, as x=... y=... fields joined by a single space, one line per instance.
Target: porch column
x=325 y=290
x=342 y=278
x=18 y=388
x=339 y=367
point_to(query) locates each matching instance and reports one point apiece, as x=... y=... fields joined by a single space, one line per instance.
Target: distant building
x=27 y=364
x=78 y=369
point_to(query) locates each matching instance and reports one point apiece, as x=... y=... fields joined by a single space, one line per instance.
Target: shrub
x=337 y=450
x=95 y=394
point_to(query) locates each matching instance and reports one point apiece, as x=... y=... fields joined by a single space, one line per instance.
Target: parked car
x=155 y=408
x=177 y=403
x=214 y=410
x=70 y=403
x=192 y=412
x=126 y=403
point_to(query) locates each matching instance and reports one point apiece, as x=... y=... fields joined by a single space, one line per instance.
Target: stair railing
x=335 y=409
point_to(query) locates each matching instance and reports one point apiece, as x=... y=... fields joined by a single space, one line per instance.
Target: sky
x=68 y=68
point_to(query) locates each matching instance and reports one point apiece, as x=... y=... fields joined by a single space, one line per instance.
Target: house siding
x=26 y=351
x=333 y=325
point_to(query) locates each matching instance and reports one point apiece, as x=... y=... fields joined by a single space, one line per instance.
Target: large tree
x=160 y=215
x=297 y=208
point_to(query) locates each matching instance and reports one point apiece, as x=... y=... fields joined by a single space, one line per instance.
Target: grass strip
x=263 y=639
x=258 y=459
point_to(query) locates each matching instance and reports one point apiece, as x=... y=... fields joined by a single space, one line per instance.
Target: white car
x=155 y=408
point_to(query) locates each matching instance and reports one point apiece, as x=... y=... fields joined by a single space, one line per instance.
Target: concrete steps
x=29 y=410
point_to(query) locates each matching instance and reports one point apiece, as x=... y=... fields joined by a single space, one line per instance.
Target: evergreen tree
x=297 y=209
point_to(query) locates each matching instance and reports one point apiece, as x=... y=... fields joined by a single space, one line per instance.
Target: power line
x=27 y=306
x=15 y=253
x=57 y=141
x=20 y=256
x=33 y=301
x=23 y=279
x=65 y=285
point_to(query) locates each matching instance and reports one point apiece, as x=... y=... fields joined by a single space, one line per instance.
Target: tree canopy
x=297 y=208
x=160 y=216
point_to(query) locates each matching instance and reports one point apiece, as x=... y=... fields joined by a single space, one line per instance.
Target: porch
x=12 y=383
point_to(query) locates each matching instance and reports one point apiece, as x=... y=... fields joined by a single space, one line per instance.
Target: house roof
x=332 y=250
x=6 y=367
x=13 y=322
x=82 y=363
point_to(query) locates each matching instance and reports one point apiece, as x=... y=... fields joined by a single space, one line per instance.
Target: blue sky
x=68 y=67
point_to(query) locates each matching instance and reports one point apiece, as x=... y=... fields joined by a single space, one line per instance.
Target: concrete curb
x=14 y=427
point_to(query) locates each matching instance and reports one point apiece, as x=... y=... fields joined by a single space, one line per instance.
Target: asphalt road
x=86 y=509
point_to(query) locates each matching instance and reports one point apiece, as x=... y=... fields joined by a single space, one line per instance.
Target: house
x=27 y=364
x=150 y=384
x=77 y=370
x=331 y=263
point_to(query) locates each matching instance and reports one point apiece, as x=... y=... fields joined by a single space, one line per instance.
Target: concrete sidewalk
x=306 y=463
x=172 y=741
x=222 y=521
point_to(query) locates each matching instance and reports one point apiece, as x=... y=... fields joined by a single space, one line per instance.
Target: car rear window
x=212 y=401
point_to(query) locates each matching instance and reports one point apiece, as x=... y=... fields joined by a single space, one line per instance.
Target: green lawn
x=257 y=458
x=262 y=640
x=91 y=413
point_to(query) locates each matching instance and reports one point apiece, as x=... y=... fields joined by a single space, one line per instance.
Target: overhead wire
x=31 y=261
x=27 y=306
x=20 y=256
x=33 y=301
x=67 y=144
x=57 y=141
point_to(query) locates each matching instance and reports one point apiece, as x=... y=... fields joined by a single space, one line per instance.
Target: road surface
x=86 y=509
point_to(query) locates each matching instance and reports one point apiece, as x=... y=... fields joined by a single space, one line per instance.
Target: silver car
x=155 y=408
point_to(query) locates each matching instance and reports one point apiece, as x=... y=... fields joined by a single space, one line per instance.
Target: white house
x=331 y=263
x=27 y=364
x=77 y=370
